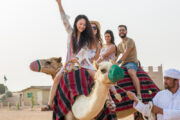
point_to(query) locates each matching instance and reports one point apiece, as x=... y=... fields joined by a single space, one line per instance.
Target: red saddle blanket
x=148 y=89
x=72 y=84
x=79 y=82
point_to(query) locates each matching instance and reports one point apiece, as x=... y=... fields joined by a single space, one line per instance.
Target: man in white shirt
x=166 y=103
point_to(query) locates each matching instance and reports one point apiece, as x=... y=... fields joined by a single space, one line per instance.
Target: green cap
x=115 y=73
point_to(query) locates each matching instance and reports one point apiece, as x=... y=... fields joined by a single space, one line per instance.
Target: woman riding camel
x=79 y=36
x=108 y=52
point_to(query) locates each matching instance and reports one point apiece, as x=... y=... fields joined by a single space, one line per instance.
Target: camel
x=85 y=107
x=100 y=91
x=88 y=107
x=49 y=66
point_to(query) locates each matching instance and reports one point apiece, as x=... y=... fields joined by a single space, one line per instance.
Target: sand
x=30 y=114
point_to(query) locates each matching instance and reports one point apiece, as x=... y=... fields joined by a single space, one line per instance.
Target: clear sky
x=32 y=29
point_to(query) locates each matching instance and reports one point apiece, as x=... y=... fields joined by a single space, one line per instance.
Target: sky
x=32 y=29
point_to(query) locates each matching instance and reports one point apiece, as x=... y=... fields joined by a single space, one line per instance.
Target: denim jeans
x=131 y=65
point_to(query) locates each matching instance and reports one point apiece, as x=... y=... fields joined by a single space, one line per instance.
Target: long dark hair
x=98 y=37
x=86 y=37
x=112 y=38
x=98 y=34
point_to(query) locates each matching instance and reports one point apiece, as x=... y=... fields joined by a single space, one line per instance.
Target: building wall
x=46 y=96
x=27 y=101
x=156 y=74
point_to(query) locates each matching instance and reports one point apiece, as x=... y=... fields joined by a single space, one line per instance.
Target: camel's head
x=108 y=73
x=49 y=66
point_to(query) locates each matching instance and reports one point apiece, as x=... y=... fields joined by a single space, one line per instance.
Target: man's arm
x=157 y=110
x=168 y=114
x=129 y=46
x=128 y=50
x=118 y=51
x=126 y=53
x=139 y=106
x=145 y=109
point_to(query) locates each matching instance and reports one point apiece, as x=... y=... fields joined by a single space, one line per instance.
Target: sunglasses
x=94 y=28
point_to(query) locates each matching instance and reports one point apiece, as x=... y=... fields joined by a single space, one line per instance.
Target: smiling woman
x=79 y=36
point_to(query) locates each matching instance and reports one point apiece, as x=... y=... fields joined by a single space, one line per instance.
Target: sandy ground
x=25 y=114
x=29 y=114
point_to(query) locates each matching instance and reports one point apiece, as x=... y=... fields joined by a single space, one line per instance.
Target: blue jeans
x=131 y=65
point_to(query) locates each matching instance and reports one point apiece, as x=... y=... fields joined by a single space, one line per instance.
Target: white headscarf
x=172 y=73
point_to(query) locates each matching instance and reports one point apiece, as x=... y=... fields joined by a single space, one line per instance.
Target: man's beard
x=170 y=87
x=123 y=36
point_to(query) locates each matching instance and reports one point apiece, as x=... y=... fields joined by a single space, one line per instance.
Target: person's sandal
x=46 y=108
x=110 y=104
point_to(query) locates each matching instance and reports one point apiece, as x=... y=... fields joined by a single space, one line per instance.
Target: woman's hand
x=100 y=59
x=58 y=1
x=74 y=60
x=65 y=70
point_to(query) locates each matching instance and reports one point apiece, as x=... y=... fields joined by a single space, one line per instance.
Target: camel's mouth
x=35 y=66
x=115 y=73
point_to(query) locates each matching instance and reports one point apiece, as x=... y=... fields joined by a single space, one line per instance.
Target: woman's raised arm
x=64 y=17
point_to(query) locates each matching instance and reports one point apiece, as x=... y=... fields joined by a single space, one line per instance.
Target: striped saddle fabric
x=148 y=89
x=79 y=82
x=71 y=85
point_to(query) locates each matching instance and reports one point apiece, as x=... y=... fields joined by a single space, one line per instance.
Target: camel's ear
x=96 y=66
x=111 y=61
x=59 y=59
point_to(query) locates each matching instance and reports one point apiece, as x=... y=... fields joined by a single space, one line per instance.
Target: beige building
x=40 y=95
x=156 y=74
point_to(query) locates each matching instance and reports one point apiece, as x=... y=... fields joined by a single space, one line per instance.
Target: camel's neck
x=98 y=97
x=90 y=106
x=53 y=74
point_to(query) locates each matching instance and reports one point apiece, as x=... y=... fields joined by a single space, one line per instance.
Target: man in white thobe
x=166 y=103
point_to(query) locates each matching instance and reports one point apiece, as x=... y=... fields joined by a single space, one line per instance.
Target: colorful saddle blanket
x=71 y=85
x=79 y=82
x=148 y=89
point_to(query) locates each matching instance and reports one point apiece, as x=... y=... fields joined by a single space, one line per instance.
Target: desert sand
x=30 y=114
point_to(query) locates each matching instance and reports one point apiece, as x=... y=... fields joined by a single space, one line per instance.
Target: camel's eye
x=103 y=70
x=48 y=62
